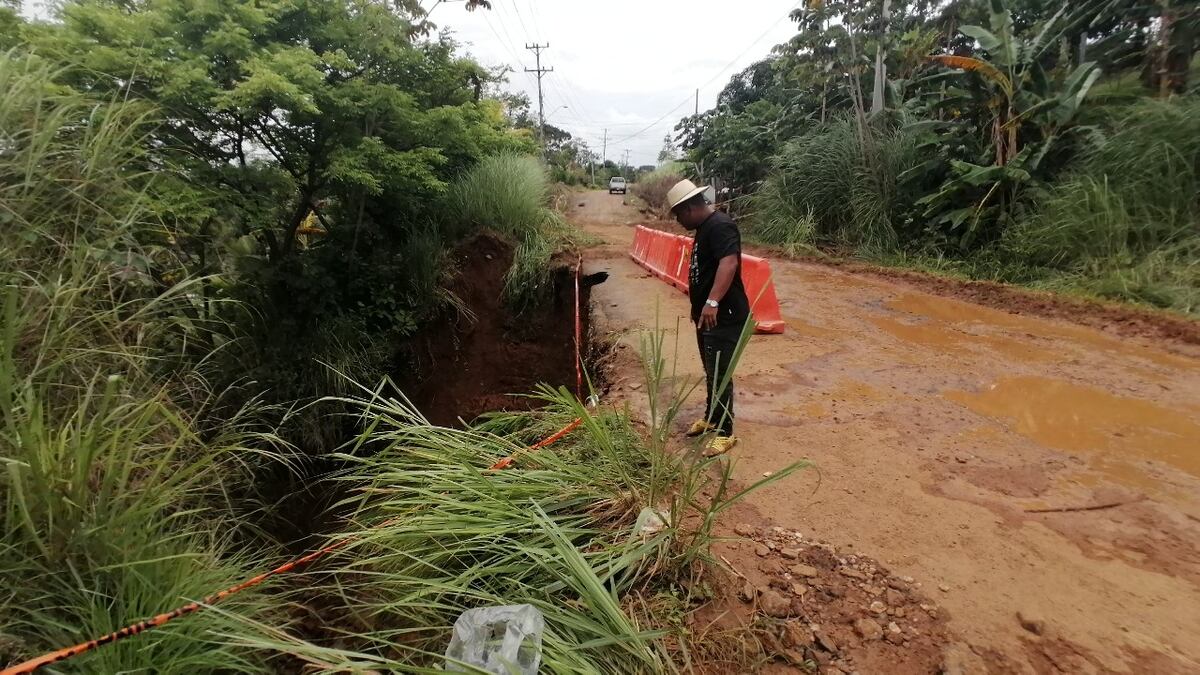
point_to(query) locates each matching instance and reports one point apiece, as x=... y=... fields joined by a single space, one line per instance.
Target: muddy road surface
x=1039 y=479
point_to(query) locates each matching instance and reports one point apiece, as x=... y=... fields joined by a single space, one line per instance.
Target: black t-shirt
x=716 y=238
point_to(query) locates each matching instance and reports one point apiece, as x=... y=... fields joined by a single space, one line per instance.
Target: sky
x=629 y=66
x=632 y=67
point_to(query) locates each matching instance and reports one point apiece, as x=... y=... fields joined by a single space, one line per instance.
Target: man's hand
x=708 y=317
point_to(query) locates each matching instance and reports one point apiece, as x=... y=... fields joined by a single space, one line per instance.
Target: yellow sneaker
x=700 y=426
x=719 y=445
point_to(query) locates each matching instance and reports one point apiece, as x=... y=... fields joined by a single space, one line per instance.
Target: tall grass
x=438 y=533
x=1126 y=223
x=118 y=481
x=510 y=194
x=829 y=186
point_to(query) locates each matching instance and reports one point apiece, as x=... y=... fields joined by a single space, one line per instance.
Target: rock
x=900 y=612
x=777 y=530
x=873 y=591
x=958 y=659
x=793 y=657
x=780 y=584
x=635 y=386
x=748 y=592
x=832 y=670
x=775 y=605
x=868 y=629
x=943 y=588
x=824 y=641
x=745 y=530
x=790 y=553
x=893 y=597
x=796 y=634
x=877 y=607
x=962 y=458
x=894 y=638
x=907 y=580
x=892 y=627
x=771 y=566
x=802 y=570
x=1031 y=622
x=897 y=584
x=771 y=545
x=762 y=551
x=852 y=573
x=799 y=589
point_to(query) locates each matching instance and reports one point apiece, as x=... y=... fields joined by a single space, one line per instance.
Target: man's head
x=688 y=205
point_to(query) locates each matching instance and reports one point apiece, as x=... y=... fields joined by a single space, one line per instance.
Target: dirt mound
x=810 y=604
x=490 y=360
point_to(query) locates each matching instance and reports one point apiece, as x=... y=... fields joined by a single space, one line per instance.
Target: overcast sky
x=632 y=67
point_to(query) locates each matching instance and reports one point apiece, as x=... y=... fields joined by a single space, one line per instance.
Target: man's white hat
x=683 y=191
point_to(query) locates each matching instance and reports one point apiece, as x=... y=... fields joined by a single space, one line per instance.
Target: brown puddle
x=1117 y=433
x=956 y=311
x=948 y=339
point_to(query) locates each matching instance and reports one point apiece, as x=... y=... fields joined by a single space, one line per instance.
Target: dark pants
x=716 y=352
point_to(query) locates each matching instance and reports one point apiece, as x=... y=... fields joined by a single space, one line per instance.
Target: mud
x=939 y=427
x=486 y=359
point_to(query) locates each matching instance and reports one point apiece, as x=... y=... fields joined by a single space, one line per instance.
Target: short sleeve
x=725 y=241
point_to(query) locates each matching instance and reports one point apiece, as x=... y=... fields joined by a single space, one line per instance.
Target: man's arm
x=724 y=279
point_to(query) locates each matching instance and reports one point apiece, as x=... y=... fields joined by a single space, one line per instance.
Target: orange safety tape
x=159 y=619
x=508 y=461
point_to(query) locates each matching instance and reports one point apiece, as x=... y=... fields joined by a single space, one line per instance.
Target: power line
x=715 y=76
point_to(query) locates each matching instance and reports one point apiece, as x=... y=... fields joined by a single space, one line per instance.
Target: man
x=719 y=305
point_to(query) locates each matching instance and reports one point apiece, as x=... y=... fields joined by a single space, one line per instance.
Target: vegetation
x=218 y=217
x=1010 y=140
x=653 y=186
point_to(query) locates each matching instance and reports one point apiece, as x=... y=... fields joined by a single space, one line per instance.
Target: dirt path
x=937 y=426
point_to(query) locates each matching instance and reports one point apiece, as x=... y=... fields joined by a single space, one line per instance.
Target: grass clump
x=830 y=186
x=511 y=194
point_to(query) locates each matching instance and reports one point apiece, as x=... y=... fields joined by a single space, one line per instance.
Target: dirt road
x=937 y=428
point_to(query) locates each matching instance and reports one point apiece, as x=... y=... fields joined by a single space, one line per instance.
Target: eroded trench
x=481 y=358
x=486 y=358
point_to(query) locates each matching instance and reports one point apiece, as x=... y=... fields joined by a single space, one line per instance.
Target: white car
x=616 y=184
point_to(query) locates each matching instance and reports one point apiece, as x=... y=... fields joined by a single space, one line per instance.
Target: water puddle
x=1116 y=434
x=956 y=311
x=945 y=338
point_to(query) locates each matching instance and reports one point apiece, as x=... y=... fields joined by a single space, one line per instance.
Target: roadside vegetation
x=220 y=224
x=1046 y=144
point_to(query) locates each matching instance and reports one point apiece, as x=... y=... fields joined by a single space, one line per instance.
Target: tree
x=291 y=104
x=667 y=153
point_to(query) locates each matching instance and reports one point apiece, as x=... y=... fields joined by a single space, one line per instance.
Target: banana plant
x=1027 y=113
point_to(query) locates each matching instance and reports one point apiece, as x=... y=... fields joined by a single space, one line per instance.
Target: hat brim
x=688 y=196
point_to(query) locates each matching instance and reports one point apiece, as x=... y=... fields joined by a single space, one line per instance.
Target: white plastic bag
x=500 y=640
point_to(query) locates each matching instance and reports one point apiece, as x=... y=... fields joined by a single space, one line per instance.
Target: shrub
x=653 y=186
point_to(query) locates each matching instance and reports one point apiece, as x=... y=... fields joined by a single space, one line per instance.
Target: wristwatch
x=712 y=303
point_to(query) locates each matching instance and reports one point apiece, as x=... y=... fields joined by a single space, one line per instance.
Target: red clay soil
x=470 y=366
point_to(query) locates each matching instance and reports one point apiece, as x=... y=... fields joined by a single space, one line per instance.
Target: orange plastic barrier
x=667 y=256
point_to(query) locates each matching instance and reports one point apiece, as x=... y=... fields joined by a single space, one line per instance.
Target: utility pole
x=627 y=160
x=697 y=101
x=604 y=148
x=537 y=52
